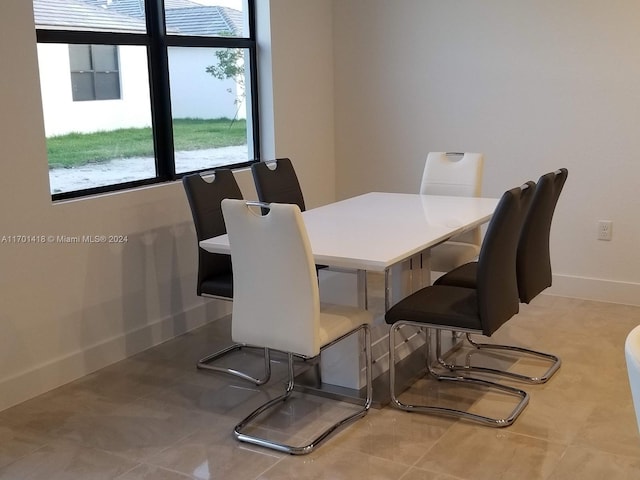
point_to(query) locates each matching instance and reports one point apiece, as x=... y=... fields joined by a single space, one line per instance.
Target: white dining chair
x=456 y=174
x=632 y=354
x=277 y=304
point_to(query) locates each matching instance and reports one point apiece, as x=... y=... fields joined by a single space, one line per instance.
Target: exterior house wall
x=195 y=93
x=63 y=115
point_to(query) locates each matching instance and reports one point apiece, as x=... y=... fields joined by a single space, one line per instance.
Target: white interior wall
x=299 y=68
x=69 y=309
x=533 y=85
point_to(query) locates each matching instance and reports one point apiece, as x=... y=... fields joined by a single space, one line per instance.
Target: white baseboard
x=597 y=289
x=54 y=373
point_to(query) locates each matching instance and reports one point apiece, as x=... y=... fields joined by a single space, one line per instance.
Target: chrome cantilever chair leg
x=303 y=450
x=555 y=361
x=205 y=363
x=445 y=411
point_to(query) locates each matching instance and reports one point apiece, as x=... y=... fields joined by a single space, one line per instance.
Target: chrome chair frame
x=311 y=446
x=445 y=411
x=555 y=365
x=205 y=362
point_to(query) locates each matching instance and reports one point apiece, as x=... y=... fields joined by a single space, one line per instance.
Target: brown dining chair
x=215 y=277
x=533 y=270
x=473 y=310
x=276 y=182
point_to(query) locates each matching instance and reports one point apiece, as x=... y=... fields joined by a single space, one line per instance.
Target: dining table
x=390 y=234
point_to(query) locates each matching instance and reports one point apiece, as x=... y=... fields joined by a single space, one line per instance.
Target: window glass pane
x=107 y=86
x=210 y=18
x=209 y=106
x=105 y=58
x=80 y=57
x=90 y=143
x=93 y=15
x=82 y=87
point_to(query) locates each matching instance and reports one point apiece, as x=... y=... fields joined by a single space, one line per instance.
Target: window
x=94 y=72
x=137 y=92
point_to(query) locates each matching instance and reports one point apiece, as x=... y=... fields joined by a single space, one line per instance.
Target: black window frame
x=157 y=42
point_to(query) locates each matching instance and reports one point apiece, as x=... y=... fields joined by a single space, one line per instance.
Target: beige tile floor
x=154 y=416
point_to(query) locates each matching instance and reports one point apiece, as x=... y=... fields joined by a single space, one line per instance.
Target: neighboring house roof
x=80 y=15
x=182 y=16
x=136 y=7
x=203 y=20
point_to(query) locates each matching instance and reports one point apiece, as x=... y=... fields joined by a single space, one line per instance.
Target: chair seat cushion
x=463 y=276
x=337 y=320
x=220 y=285
x=454 y=307
x=449 y=255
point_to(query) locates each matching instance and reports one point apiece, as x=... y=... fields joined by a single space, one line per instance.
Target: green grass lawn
x=77 y=149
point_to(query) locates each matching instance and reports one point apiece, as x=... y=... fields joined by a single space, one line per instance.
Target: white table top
x=377 y=230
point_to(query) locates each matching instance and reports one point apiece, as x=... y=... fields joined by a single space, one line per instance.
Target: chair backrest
x=205 y=197
x=451 y=174
x=533 y=262
x=457 y=174
x=632 y=354
x=497 y=283
x=276 y=298
x=276 y=182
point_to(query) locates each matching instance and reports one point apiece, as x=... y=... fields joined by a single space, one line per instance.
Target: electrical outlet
x=605 y=229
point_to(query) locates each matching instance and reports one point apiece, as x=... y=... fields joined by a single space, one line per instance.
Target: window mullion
x=92 y=66
x=253 y=61
x=159 y=82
